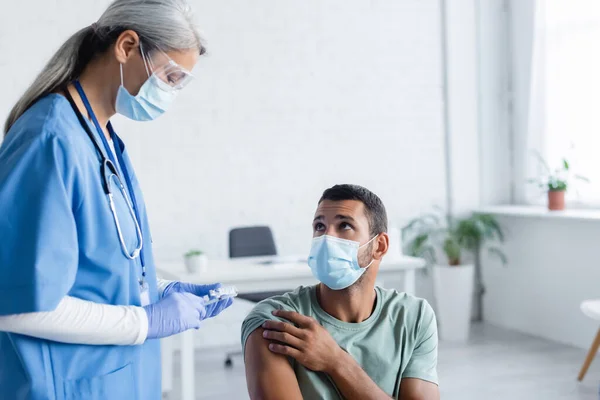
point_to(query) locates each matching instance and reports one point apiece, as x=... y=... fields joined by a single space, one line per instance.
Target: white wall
x=293 y=97
x=522 y=13
x=462 y=104
x=296 y=96
x=478 y=83
x=552 y=263
x=553 y=266
x=495 y=86
x=460 y=79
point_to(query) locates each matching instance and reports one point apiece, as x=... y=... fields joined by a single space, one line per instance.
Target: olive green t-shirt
x=399 y=340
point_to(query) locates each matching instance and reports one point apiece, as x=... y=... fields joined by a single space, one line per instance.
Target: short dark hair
x=374 y=208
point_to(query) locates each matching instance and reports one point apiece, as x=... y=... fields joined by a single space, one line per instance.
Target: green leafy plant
x=429 y=233
x=556 y=180
x=193 y=253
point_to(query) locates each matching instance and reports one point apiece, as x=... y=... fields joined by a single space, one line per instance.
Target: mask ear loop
x=373 y=238
x=145 y=65
x=373 y=260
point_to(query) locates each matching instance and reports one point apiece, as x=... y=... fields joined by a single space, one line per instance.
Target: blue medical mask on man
x=156 y=94
x=334 y=261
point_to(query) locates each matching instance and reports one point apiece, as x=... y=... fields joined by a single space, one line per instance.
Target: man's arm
x=419 y=379
x=417 y=389
x=353 y=382
x=268 y=375
x=312 y=346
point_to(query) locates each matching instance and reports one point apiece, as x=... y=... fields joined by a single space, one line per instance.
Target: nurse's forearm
x=82 y=322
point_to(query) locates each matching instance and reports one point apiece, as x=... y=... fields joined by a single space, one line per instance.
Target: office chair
x=253 y=241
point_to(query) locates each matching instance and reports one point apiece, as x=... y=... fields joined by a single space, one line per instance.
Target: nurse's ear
x=126 y=46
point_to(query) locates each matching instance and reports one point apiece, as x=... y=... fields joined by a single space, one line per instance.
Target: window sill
x=542 y=212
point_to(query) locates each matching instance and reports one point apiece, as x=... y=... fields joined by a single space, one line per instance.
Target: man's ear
x=382 y=244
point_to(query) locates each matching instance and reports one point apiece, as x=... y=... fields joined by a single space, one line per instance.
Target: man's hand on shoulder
x=305 y=340
x=312 y=346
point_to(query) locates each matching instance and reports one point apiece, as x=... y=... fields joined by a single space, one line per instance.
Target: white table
x=265 y=274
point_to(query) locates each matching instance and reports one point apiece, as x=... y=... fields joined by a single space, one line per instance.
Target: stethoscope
x=110 y=174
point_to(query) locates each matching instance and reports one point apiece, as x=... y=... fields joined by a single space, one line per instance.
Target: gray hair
x=165 y=25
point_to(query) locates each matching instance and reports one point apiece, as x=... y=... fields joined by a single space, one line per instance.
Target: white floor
x=496 y=365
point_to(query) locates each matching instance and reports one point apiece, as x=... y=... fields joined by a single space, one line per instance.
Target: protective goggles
x=171 y=76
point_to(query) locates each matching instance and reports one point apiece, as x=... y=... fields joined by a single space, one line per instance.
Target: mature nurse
x=81 y=308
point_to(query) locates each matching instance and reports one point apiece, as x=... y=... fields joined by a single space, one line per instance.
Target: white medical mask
x=150 y=102
x=334 y=261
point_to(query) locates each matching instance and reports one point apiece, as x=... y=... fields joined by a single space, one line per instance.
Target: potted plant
x=195 y=260
x=454 y=278
x=556 y=182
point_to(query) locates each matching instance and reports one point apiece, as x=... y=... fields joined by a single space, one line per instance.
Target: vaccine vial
x=220 y=293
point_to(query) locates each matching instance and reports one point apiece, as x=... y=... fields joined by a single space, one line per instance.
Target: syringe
x=220 y=294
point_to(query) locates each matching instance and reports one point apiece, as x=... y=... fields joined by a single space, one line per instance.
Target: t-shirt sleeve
x=263 y=312
x=423 y=361
x=38 y=235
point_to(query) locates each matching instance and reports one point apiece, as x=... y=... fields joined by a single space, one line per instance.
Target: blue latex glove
x=213 y=309
x=174 y=314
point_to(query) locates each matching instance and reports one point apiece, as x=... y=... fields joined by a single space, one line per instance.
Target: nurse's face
x=128 y=53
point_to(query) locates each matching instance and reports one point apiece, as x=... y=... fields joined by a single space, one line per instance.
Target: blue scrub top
x=58 y=238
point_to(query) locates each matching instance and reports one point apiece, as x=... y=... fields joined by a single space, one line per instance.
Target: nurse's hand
x=182 y=287
x=173 y=314
x=213 y=309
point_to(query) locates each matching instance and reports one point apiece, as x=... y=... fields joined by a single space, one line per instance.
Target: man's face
x=345 y=220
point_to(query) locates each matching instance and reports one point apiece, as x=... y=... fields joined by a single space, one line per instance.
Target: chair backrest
x=251 y=241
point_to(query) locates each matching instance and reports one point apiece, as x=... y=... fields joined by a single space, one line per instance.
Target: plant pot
x=556 y=200
x=453 y=290
x=196 y=263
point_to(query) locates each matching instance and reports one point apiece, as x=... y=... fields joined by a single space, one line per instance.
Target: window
x=567 y=42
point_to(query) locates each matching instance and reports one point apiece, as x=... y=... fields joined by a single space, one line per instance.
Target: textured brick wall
x=293 y=97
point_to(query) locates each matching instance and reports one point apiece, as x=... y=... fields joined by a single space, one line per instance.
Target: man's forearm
x=353 y=382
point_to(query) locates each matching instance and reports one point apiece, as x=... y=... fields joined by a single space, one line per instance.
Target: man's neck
x=354 y=304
